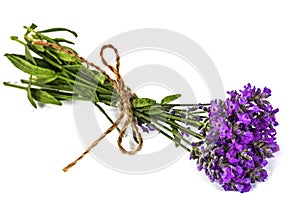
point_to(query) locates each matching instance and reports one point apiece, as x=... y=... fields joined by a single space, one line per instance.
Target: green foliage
x=142 y=102
x=170 y=98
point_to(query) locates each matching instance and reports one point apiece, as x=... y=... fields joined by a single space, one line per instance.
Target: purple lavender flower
x=230 y=106
x=240 y=137
x=146 y=127
x=227 y=175
x=244 y=118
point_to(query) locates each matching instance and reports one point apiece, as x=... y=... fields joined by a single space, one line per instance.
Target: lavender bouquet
x=232 y=139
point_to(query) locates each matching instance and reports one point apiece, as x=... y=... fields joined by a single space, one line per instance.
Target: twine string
x=124 y=104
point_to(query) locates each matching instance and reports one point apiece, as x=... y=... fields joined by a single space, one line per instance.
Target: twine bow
x=124 y=103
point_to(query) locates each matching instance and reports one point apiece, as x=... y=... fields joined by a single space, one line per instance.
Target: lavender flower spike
x=243 y=127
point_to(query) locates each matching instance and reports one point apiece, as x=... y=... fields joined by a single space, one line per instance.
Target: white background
x=249 y=41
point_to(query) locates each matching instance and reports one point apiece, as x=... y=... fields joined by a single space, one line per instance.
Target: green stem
x=102 y=90
x=48 y=60
x=66 y=97
x=57 y=94
x=167 y=135
x=57 y=87
x=170 y=137
x=189 y=112
x=63 y=89
x=176 y=125
x=14 y=86
x=142 y=115
x=72 y=81
x=105 y=114
x=183 y=105
x=182 y=119
x=199 y=112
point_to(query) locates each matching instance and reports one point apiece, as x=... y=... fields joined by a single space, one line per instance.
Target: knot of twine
x=124 y=104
